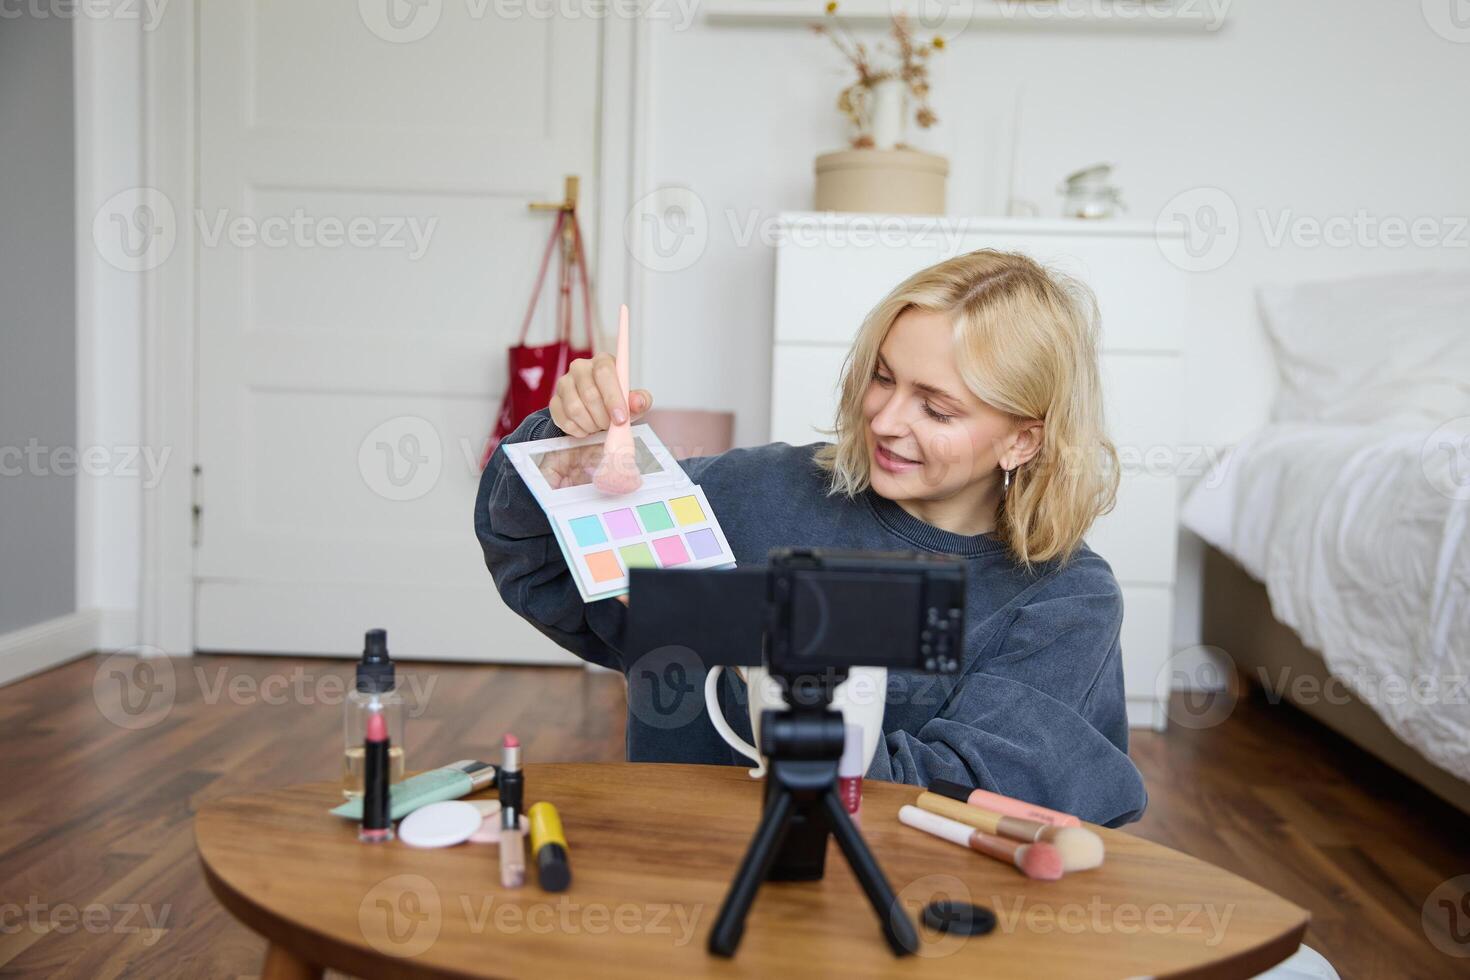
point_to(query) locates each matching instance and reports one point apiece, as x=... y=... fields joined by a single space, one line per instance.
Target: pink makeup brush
x=618 y=471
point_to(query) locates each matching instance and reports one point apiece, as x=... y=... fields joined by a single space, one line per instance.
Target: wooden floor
x=98 y=876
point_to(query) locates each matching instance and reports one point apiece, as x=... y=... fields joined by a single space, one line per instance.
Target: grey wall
x=37 y=321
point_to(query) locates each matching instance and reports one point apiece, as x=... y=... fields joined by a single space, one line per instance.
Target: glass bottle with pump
x=374 y=691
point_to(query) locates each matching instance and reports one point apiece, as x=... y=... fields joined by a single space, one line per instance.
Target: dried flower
x=911 y=66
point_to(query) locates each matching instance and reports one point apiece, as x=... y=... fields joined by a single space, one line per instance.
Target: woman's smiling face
x=930 y=439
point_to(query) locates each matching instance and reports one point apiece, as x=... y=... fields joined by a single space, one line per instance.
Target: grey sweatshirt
x=1037 y=711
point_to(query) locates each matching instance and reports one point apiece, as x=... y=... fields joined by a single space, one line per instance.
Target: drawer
x=823 y=293
x=1141 y=297
x=824 y=290
x=1140 y=536
x=1142 y=399
x=1148 y=630
x=1141 y=394
x=804 y=381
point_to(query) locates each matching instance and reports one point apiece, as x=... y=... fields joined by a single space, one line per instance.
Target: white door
x=365 y=257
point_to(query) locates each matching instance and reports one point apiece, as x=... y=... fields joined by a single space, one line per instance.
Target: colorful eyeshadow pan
x=636 y=555
x=588 y=530
x=670 y=551
x=687 y=510
x=603 y=565
x=621 y=523
x=703 y=543
x=655 y=516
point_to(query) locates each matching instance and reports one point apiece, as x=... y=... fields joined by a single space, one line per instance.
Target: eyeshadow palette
x=666 y=523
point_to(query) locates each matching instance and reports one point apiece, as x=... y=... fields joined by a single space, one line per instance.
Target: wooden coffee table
x=652 y=851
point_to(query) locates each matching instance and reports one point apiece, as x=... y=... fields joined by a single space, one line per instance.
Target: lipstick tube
x=850 y=769
x=377 y=824
x=512 y=783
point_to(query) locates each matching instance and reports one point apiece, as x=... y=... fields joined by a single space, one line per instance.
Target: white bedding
x=1360 y=535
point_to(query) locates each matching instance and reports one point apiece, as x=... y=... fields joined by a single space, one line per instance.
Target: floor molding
x=30 y=650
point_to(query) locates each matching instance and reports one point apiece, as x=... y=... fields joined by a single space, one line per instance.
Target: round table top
x=653 y=848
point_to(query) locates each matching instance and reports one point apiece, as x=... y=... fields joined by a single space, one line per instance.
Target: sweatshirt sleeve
x=527 y=564
x=1040 y=715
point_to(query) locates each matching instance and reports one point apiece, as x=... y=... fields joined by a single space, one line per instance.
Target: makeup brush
x=1039 y=860
x=617 y=473
x=1080 y=848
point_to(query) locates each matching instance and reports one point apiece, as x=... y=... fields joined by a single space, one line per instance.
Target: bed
x=1338 y=569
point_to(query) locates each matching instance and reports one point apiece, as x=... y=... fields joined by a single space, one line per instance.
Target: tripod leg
x=769 y=834
x=898 y=929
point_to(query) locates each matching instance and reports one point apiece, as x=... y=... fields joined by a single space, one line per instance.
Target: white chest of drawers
x=831 y=269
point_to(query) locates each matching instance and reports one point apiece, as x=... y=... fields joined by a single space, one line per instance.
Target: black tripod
x=803 y=743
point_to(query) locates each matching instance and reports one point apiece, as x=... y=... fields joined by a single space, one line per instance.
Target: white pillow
x=1384 y=348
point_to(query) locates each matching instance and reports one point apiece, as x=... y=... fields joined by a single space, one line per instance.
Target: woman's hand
x=588 y=398
x=570 y=467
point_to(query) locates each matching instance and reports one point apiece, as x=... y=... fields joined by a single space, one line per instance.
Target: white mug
x=861 y=699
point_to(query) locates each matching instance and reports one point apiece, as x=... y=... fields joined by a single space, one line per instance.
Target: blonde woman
x=970 y=424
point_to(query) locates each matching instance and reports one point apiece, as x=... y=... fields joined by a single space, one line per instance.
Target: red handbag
x=534 y=370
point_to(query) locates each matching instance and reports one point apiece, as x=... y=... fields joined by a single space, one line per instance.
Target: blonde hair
x=1025 y=343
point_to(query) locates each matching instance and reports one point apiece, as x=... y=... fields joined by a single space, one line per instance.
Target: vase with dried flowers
x=890 y=81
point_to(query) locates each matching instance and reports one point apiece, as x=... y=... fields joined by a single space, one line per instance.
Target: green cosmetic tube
x=449 y=783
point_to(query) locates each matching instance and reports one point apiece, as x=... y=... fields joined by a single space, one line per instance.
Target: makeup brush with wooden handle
x=1038 y=860
x=1080 y=848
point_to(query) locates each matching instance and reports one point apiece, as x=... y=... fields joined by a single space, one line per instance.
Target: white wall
x=1308 y=109
x=109 y=122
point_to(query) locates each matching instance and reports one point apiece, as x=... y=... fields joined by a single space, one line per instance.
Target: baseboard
x=28 y=651
x=1147 y=712
x=117 y=629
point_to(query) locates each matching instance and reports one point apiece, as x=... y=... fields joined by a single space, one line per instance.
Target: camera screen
x=841 y=618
